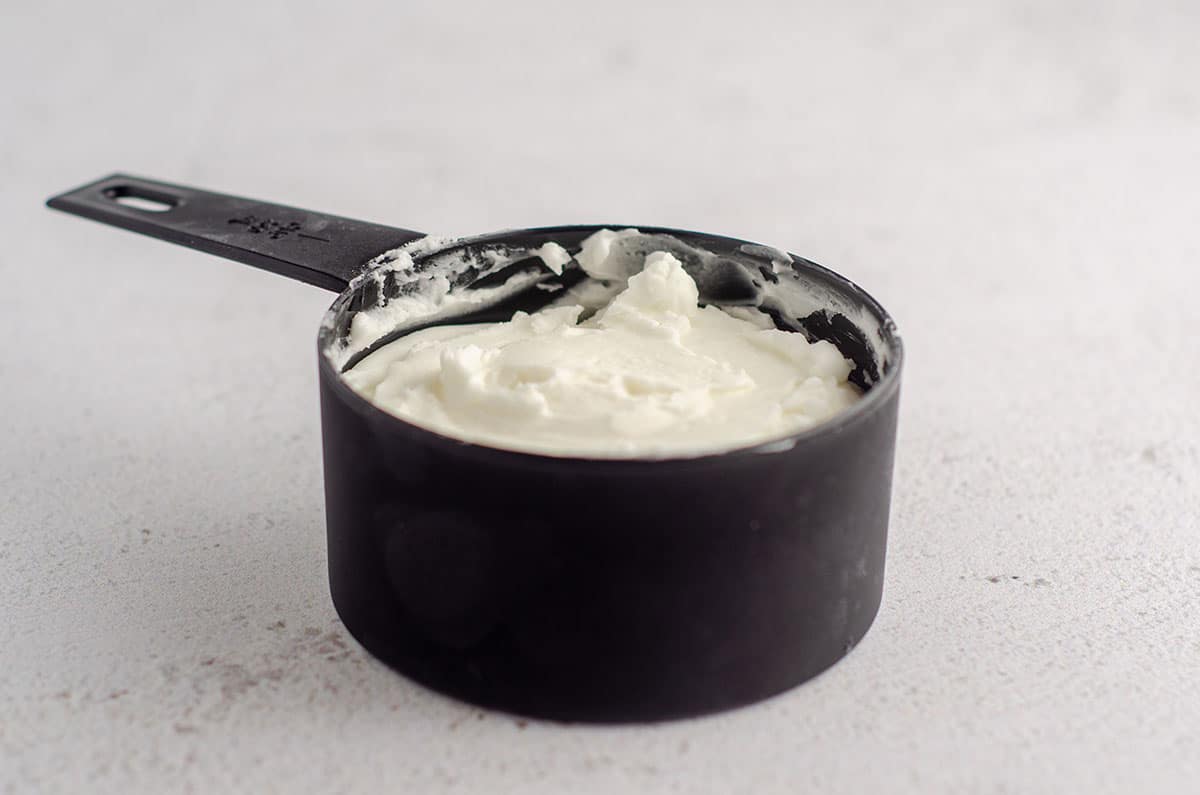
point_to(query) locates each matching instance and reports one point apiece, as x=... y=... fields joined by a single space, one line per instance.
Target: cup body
x=609 y=590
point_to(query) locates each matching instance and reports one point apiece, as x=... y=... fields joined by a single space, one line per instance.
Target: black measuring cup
x=567 y=587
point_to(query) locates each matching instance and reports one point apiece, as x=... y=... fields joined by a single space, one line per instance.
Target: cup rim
x=875 y=397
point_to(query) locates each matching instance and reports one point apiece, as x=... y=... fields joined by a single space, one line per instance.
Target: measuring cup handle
x=325 y=250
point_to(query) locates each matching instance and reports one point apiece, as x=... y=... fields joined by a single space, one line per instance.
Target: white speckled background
x=1016 y=181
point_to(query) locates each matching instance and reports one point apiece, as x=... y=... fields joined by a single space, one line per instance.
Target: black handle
x=320 y=249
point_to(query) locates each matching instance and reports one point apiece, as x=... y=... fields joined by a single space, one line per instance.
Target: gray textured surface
x=1016 y=182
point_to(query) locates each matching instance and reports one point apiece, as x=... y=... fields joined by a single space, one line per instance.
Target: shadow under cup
x=616 y=590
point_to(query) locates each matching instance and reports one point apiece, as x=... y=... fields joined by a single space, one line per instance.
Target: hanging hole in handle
x=150 y=201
